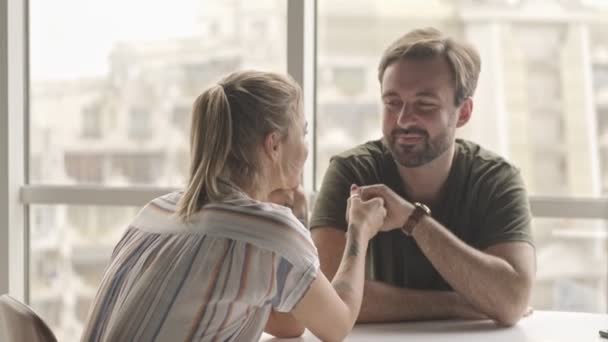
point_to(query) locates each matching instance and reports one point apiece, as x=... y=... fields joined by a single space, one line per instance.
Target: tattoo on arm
x=353 y=248
x=343 y=287
x=353 y=243
x=352 y=253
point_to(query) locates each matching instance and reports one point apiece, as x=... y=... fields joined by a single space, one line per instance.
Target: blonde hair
x=229 y=121
x=428 y=43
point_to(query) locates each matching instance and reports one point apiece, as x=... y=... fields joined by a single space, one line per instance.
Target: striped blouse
x=215 y=278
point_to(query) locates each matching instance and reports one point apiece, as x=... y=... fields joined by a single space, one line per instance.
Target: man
x=471 y=254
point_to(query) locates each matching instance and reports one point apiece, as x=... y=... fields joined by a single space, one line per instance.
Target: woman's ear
x=272 y=145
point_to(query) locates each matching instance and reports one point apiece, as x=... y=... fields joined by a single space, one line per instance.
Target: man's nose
x=406 y=115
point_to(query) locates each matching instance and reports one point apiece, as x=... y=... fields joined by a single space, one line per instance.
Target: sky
x=72 y=38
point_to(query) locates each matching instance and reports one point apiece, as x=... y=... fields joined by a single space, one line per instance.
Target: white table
x=541 y=326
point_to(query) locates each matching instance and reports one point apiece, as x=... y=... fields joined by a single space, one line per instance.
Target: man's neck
x=425 y=183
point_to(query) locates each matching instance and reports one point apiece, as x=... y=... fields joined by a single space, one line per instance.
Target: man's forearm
x=488 y=283
x=386 y=303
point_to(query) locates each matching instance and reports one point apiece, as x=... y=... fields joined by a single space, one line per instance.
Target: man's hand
x=294 y=199
x=398 y=209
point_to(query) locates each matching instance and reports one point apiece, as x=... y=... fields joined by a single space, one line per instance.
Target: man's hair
x=428 y=43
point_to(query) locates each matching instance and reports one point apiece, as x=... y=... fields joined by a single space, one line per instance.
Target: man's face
x=419 y=115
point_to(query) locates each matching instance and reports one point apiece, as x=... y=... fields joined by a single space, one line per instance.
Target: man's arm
x=386 y=303
x=496 y=281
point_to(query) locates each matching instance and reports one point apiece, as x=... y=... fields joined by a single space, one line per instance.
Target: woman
x=212 y=262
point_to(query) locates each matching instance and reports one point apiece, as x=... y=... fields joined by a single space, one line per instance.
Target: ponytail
x=211 y=142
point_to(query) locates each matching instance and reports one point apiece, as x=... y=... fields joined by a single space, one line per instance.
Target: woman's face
x=294 y=151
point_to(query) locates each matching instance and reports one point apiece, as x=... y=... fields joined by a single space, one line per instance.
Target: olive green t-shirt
x=483 y=203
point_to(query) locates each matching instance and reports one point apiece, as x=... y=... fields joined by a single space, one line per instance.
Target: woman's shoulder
x=257 y=212
x=267 y=225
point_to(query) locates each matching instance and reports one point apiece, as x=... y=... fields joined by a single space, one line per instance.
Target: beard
x=422 y=152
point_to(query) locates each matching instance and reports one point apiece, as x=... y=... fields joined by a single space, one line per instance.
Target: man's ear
x=464 y=112
x=271 y=145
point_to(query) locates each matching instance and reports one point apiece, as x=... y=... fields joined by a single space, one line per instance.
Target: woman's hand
x=398 y=209
x=294 y=199
x=368 y=215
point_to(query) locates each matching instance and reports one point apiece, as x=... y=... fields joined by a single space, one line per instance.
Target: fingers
x=374 y=203
x=298 y=191
x=371 y=191
x=377 y=203
x=287 y=197
x=358 y=191
x=280 y=196
x=355 y=190
x=353 y=195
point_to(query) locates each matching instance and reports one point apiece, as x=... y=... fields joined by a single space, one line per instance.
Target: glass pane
x=542 y=96
x=112 y=82
x=599 y=59
x=572 y=267
x=69 y=250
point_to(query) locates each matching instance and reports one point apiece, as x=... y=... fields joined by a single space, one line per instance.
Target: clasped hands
x=398 y=209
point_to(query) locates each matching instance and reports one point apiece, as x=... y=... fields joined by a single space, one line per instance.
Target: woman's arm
x=283 y=325
x=329 y=310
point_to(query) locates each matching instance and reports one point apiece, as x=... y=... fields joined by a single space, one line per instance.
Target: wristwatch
x=420 y=210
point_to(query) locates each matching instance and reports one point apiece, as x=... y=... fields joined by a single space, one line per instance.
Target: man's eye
x=427 y=107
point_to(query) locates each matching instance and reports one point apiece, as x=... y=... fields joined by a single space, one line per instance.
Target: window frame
x=13 y=148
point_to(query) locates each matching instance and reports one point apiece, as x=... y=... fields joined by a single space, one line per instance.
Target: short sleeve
x=296 y=263
x=293 y=282
x=330 y=203
x=507 y=216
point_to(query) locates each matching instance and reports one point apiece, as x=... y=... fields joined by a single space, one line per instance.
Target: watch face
x=426 y=209
x=405 y=232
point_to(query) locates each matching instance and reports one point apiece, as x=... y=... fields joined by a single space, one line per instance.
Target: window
x=350 y=81
x=67 y=261
x=91 y=122
x=139 y=124
x=122 y=82
x=565 y=250
x=110 y=107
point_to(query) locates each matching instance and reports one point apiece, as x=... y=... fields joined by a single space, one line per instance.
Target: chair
x=19 y=323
